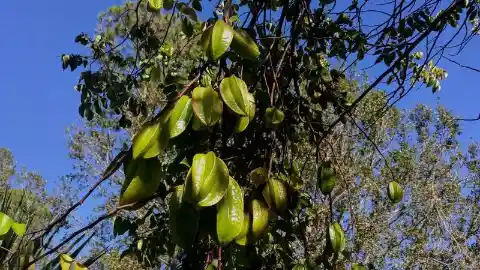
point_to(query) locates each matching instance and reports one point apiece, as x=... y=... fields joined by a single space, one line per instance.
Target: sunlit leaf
x=19 y=228
x=152 y=138
x=244 y=45
x=5 y=223
x=167 y=49
x=65 y=261
x=142 y=182
x=154 y=5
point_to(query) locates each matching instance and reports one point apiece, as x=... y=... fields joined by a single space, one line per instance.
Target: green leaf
x=326 y=2
x=206 y=80
x=358 y=266
x=65 y=261
x=19 y=228
x=207 y=105
x=242 y=237
x=197 y=125
x=143 y=179
x=243 y=121
x=258 y=176
x=183 y=221
x=5 y=223
x=120 y=226
x=299 y=267
x=273 y=117
x=230 y=213
x=234 y=93
x=244 y=45
x=336 y=237
x=259 y=218
x=233 y=19
x=207 y=180
x=154 y=5
x=217 y=39
x=211 y=267
x=167 y=49
x=168 y=4
x=180 y=116
x=152 y=138
x=326 y=177
x=190 y=12
x=275 y=194
x=185 y=162
x=187 y=27
x=140 y=244
x=197 y=5
x=395 y=192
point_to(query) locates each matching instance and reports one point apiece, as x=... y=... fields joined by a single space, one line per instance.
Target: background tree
x=307 y=113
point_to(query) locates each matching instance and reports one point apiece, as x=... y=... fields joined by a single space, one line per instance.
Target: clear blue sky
x=37 y=100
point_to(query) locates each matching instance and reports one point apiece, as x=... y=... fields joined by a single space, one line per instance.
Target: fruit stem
x=220 y=265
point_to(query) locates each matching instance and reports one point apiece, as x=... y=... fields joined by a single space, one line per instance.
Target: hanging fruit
x=242 y=237
x=275 y=194
x=336 y=237
x=230 y=213
x=243 y=121
x=207 y=180
x=207 y=105
x=259 y=213
x=326 y=178
x=258 y=176
x=154 y=5
x=234 y=93
x=395 y=192
x=273 y=117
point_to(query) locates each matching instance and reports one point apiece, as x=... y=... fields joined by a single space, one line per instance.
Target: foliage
x=312 y=148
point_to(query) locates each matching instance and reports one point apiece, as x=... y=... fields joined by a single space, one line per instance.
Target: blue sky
x=37 y=99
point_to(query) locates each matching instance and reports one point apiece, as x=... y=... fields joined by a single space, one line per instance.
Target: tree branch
x=97 y=221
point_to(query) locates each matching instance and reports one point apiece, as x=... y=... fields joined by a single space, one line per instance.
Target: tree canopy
x=243 y=134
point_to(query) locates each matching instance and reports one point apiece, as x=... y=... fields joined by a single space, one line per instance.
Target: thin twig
x=468 y=119
x=97 y=221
